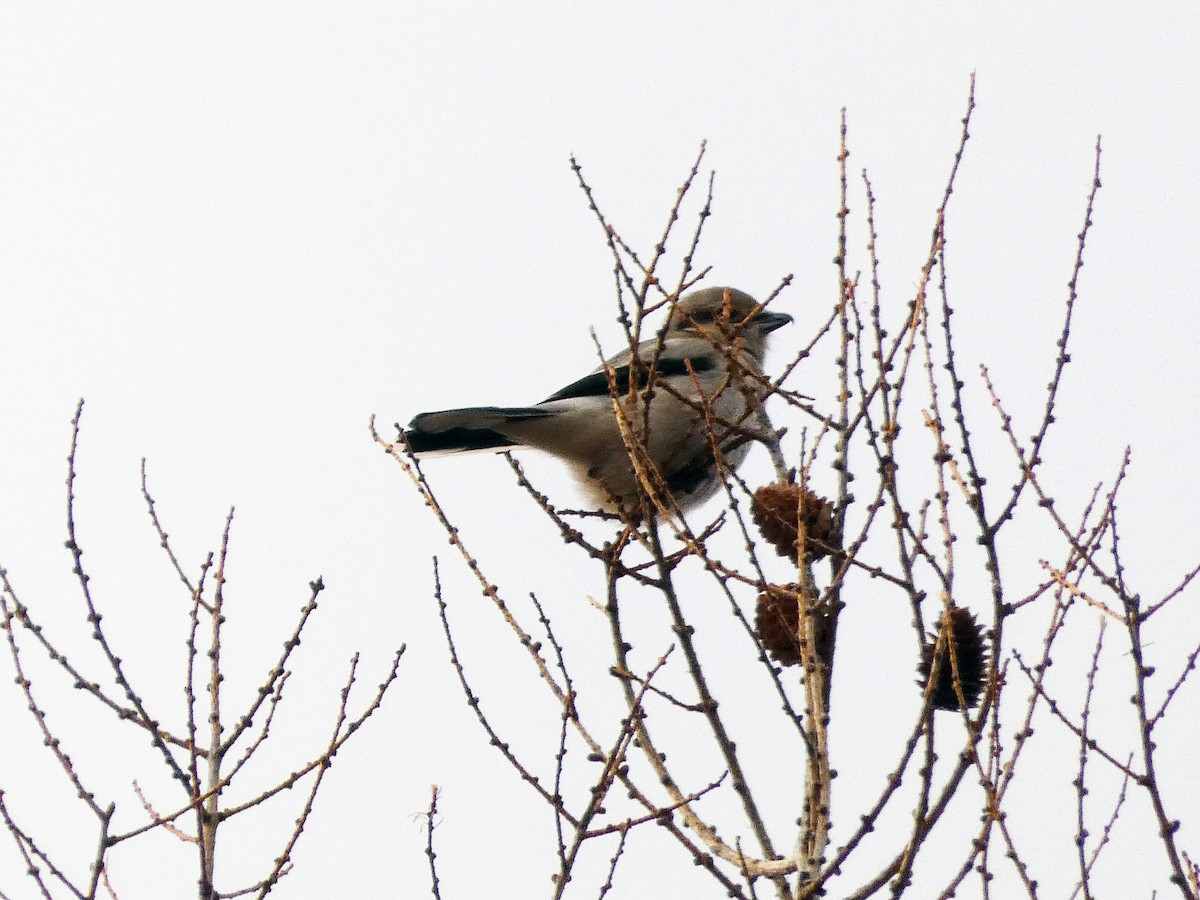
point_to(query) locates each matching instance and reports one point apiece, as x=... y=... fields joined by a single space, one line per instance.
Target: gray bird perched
x=714 y=336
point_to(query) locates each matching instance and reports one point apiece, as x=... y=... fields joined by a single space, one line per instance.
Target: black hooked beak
x=767 y=321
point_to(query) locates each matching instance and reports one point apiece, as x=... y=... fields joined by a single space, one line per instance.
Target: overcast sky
x=240 y=230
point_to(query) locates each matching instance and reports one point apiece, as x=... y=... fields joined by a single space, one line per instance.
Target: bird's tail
x=465 y=430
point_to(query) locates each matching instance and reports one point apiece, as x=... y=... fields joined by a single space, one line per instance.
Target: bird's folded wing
x=597 y=385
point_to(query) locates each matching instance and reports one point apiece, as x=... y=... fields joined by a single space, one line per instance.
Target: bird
x=705 y=358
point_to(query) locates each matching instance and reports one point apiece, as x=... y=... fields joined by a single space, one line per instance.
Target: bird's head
x=722 y=314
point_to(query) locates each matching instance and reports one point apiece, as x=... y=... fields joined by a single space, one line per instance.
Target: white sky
x=238 y=231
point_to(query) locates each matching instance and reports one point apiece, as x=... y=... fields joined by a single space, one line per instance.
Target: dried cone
x=971 y=650
x=777 y=508
x=777 y=621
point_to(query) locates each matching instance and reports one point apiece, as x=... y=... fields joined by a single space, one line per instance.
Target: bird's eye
x=701 y=316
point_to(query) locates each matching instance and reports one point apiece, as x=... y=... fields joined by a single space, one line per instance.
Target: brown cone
x=776 y=509
x=971 y=650
x=777 y=621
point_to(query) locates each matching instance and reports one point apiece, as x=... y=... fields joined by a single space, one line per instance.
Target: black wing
x=596 y=384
